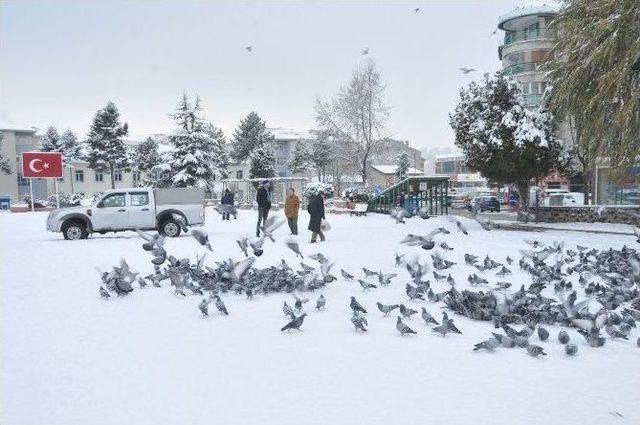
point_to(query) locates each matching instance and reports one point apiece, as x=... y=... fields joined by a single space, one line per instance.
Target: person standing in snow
x=264 y=204
x=316 y=213
x=291 y=207
x=227 y=204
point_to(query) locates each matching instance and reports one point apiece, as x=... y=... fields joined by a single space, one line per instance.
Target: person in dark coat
x=264 y=204
x=227 y=204
x=316 y=213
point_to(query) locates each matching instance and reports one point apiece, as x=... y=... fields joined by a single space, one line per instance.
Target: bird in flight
x=466 y=70
x=249 y=48
x=365 y=51
x=417 y=10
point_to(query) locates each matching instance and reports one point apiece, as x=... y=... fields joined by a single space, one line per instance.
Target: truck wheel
x=170 y=228
x=74 y=230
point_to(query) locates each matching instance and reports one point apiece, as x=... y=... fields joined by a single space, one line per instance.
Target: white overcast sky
x=61 y=61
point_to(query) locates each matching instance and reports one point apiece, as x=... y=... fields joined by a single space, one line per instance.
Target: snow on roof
x=391 y=169
x=449 y=155
x=11 y=126
x=289 y=134
x=548 y=7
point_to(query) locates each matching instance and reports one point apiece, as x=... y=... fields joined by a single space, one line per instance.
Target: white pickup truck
x=167 y=210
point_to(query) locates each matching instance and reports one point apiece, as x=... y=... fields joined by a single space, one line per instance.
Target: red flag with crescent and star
x=41 y=164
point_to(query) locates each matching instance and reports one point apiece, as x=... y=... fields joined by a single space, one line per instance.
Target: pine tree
x=51 y=142
x=263 y=162
x=300 y=157
x=71 y=148
x=219 y=149
x=5 y=166
x=146 y=155
x=107 y=151
x=251 y=133
x=403 y=164
x=197 y=153
x=323 y=153
x=501 y=138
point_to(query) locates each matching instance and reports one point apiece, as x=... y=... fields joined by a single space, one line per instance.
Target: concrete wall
x=590 y=214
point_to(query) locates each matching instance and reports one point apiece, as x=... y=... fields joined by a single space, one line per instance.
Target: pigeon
x=243 y=243
x=466 y=70
x=321 y=302
x=220 y=305
x=399 y=259
x=403 y=328
x=369 y=273
x=366 y=285
x=287 y=310
x=359 y=321
x=142 y=283
x=181 y=221
x=571 y=349
x=104 y=294
x=459 y=225
x=202 y=238
x=563 y=337
x=152 y=241
x=249 y=49
x=256 y=245
x=204 y=307
x=346 y=275
x=295 y=323
x=614 y=333
x=365 y=51
x=385 y=279
x=535 y=350
x=543 y=334
x=427 y=317
x=355 y=306
x=416 y=10
x=489 y=344
x=299 y=302
x=413 y=292
x=406 y=311
x=386 y=309
x=295 y=247
x=400 y=214
x=445 y=246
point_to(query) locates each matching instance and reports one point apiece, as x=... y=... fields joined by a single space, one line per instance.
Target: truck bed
x=179 y=196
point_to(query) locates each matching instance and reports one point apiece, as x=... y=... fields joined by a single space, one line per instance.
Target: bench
x=359 y=209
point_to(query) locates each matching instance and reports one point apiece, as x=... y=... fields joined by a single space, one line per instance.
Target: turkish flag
x=41 y=164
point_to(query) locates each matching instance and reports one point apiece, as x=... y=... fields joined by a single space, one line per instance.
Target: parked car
x=165 y=210
x=484 y=203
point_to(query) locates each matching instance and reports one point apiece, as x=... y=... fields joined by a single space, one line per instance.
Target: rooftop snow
x=11 y=126
x=391 y=169
x=536 y=8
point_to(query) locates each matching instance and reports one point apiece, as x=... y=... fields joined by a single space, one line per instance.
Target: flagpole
x=31 y=194
x=57 y=195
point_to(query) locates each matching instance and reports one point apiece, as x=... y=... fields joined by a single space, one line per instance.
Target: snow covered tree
x=501 y=138
x=195 y=159
x=403 y=164
x=357 y=116
x=106 y=148
x=219 y=149
x=594 y=68
x=300 y=157
x=5 y=166
x=146 y=155
x=71 y=151
x=323 y=153
x=251 y=133
x=262 y=162
x=51 y=141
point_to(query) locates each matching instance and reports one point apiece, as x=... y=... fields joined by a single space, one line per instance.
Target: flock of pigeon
x=609 y=277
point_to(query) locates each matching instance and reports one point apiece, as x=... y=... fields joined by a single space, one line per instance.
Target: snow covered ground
x=69 y=357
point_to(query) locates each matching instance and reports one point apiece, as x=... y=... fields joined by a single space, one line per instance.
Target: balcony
x=527 y=34
x=532 y=100
x=520 y=68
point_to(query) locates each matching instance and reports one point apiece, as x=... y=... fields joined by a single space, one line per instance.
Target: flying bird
x=365 y=51
x=321 y=302
x=466 y=70
x=295 y=247
x=202 y=238
x=249 y=49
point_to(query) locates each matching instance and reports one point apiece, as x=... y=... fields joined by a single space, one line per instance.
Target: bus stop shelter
x=430 y=193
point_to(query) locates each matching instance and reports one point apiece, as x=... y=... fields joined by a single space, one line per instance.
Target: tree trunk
x=71 y=179
x=113 y=182
x=523 y=192
x=585 y=189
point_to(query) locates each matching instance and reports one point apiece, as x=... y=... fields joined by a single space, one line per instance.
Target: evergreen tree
x=300 y=157
x=5 y=166
x=71 y=148
x=146 y=155
x=263 y=162
x=51 y=141
x=106 y=149
x=219 y=149
x=251 y=133
x=197 y=154
x=403 y=164
x=322 y=153
x=501 y=138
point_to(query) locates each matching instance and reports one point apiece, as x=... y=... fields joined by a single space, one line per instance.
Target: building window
x=22 y=181
x=139 y=199
x=61 y=179
x=136 y=176
x=80 y=176
x=239 y=174
x=98 y=177
x=117 y=176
